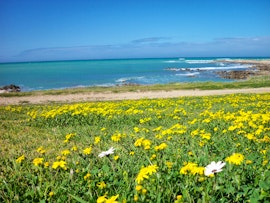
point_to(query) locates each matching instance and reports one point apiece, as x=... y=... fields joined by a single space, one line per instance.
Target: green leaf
x=265 y=185
x=78 y=199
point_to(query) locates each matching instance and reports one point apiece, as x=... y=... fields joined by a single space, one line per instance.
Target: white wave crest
x=188 y=74
x=127 y=79
x=222 y=67
x=199 y=61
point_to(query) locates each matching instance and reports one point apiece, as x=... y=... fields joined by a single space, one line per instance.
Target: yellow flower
x=178 y=199
x=102 y=199
x=131 y=153
x=116 y=158
x=265 y=162
x=145 y=172
x=161 y=146
x=136 y=198
x=169 y=164
x=112 y=199
x=97 y=140
x=87 y=176
x=74 y=148
x=51 y=193
x=69 y=136
x=38 y=161
x=206 y=136
x=265 y=139
x=116 y=137
x=41 y=150
x=103 y=129
x=59 y=164
x=138 y=142
x=136 y=129
x=248 y=162
x=153 y=156
x=138 y=187
x=146 y=143
x=46 y=164
x=250 y=136
x=201 y=179
x=63 y=158
x=157 y=129
x=87 y=150
x=144 y=191
x=192 y=168
x=263 y=151
x=65 y=152
x=235 y=158
x=201 y=143
x=20 y=159
x=232 y=128
x=101 y=185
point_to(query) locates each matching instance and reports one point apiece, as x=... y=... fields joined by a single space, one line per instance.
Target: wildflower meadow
x=186 y=149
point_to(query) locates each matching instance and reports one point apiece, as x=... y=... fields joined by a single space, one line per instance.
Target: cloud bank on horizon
x=39 y=30
x=153 y=47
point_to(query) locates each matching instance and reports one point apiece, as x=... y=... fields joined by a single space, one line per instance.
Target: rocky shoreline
x=10 y=88
x=258 y=68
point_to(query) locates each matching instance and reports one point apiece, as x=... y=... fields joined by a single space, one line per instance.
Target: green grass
x=164 y=134
x=253 y=82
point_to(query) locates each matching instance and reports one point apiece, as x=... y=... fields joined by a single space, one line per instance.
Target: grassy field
x=51 y=153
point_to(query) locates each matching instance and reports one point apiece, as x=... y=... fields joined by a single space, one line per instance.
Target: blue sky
x=33 y=30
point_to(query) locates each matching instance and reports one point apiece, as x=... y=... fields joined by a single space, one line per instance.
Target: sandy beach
x=109 y=96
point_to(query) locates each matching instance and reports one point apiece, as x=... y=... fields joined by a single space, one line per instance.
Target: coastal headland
x=259 y=67
x=256 y=68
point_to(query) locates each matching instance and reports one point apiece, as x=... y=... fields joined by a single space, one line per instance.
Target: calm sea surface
x=65 y=74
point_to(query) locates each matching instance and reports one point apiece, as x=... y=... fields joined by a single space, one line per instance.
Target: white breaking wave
x=188 y=74
x=222 y=68
x=199 y=61
x=123 y=80
x=174 y=61
x=171 y=61
x=104 y=85
x=180 y=60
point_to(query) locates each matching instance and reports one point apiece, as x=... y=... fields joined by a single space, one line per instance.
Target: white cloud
x=154 y=47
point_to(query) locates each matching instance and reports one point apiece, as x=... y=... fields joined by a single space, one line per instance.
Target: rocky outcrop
x=255 y=70
x=10 y=88
x=243 y=74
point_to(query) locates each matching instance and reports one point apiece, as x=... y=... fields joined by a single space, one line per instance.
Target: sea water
x=67 y=74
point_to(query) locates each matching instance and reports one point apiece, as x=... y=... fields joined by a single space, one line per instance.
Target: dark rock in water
x=129 y=84
x=177 y=69
x=236 y=74
x=11 y=88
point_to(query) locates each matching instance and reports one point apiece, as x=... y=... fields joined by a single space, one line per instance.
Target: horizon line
x=131 y=58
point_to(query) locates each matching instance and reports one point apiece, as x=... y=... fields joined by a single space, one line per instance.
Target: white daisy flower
x=106 y=153
x=214 y=168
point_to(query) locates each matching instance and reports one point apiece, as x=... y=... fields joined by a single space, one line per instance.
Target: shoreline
x=259 y=68
x=110 y=96
x=256 y=67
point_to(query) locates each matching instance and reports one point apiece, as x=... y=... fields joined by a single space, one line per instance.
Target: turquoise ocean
x=82 y=73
